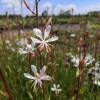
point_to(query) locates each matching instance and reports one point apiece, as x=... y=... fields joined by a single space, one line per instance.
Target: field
x=50 y=57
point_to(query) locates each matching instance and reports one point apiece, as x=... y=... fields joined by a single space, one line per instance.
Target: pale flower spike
x=44 y=39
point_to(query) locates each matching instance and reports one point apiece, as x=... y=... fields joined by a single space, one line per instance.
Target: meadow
x=48 y=62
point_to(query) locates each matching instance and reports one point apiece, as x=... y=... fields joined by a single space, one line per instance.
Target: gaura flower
x=76 y=60
x=95 y=72
x=38 y=78
x=43 y=39
x=26 y=47
x=22 y=42
x=73 y=35
x=96 y=82
x=56 y=88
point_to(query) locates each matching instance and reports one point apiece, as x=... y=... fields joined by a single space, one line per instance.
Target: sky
x=54 y=6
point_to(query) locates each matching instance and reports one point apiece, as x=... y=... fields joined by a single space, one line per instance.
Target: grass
x=15 y=65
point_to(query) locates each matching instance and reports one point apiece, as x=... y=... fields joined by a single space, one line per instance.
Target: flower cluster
x=76 y=59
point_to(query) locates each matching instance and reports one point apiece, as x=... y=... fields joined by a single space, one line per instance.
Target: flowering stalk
x=29 y=59
x=96 y=49
x=83 y=51
x=6 y=85
x=40 y=58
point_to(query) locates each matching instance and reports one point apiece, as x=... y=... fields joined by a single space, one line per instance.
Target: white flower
x=95 y=71
x=38 y=77
x=96 y=82
x=25 y=46
x=22 y=42
x=27 y=49
x=43 y=39
x=76 y=60
x=89 y=59
x=21 y=51
x=72 y=35
x=56 y=88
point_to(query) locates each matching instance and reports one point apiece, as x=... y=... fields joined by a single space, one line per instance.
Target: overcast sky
x=80 y=6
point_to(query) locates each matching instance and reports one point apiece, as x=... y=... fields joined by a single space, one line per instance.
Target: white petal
x=58 y=85
x=22 y=42
x=54 y=86
x=36 y=40
x=52 y=39
x=59 y=90
x=27 y=75
x=38 y=32
x=47 y=31
x=21 y=51
x=33 y=44
x=40 y=83
x=96 y=82
x=53 y=89
x=72 y=35
x=42 y=71
x=34 y=69
x=45 y=77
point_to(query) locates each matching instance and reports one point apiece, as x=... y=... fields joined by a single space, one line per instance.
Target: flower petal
x=47 y=31
x=58 y=85
x=38 y=32
x=40 y=83
x=96 y=82
x=41 y=46
x=53 y=89
x=21 y=51
x=35 y=40
x=45 y=77
x=52 y=39
x=59 y=90
x=42 y=71
x=27 y=75
x=34 y=69
x=54 y=86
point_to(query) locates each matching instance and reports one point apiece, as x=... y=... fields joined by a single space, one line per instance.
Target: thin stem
x=37 y=19
x=95 y=51
x=28 y=7
x=81 y=66
x=29 y=58
x=40 y=58
x=6 y=85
